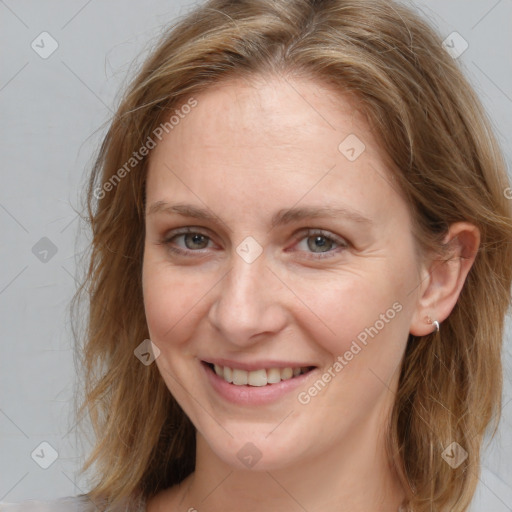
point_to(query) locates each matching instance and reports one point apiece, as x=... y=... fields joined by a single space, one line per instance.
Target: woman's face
x=276 y=242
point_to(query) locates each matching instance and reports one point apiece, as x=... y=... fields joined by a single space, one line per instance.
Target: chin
x=257 y=451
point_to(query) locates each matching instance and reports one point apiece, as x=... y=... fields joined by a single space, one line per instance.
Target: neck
x=356 y=478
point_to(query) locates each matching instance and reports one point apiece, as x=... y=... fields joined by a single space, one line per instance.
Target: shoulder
x=70 y=504
x=67 y=504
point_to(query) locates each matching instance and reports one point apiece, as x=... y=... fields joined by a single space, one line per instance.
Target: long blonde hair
x=446 y=161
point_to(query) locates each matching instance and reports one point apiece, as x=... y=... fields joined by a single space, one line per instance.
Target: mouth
x=256 y=378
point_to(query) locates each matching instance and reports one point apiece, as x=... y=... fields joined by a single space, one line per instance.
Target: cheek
x=171 y=299
x=355 y=308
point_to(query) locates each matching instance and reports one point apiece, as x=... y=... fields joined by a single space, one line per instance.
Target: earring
x=435 y=323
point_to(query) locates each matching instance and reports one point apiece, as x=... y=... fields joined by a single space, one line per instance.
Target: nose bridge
x=246 y=303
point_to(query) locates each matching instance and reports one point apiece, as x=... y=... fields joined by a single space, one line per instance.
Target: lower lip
x=253 y=395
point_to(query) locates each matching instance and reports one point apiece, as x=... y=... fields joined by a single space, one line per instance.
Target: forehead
x=273 y=112
x=272 y=140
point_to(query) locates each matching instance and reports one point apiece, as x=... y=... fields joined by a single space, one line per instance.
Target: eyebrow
x=282 y=217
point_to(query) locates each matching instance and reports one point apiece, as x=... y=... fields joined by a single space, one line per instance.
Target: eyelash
x=308 y=233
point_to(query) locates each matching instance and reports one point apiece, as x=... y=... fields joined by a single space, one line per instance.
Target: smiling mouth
x=259 y=378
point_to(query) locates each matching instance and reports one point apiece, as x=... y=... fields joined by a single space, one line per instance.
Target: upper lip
x=256 y=365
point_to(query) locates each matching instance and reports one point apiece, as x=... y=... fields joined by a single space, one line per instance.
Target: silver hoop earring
x=436 y=324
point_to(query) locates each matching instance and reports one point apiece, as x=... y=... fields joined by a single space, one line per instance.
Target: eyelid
x=166 y=239
x=199 y=230
x=322 y=232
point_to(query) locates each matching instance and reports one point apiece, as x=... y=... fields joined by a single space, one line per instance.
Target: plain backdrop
x=55 y=98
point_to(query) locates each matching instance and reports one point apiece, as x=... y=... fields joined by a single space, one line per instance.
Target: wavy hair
x=446 y=161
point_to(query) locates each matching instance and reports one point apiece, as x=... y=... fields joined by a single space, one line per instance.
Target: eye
x=319 y=242
x=195 y=240
x=192 y=241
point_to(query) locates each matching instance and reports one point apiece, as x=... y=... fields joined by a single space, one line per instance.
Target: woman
x=300 y=268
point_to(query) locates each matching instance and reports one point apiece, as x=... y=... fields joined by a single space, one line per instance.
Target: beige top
x=75 y=504
x=68 y=504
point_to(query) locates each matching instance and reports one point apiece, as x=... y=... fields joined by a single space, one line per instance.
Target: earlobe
x=445 y=278
x=434 y=323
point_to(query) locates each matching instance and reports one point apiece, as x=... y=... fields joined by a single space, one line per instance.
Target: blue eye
x=193 y=241
x=320 y=242
x=317 y=243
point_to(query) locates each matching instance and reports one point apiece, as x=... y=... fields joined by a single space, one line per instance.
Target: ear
x=443 y=277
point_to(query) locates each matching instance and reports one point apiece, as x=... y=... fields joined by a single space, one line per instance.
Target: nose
x=249 y=302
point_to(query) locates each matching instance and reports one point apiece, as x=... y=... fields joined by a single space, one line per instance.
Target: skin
x=247 y=150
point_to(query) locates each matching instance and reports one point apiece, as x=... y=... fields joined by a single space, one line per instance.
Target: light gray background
x=52 y=120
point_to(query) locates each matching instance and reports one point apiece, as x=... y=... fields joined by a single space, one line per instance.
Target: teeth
x=286 y=373
x=240 y=377
x=228 y=374
x=257 y=377
x=273 y=375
